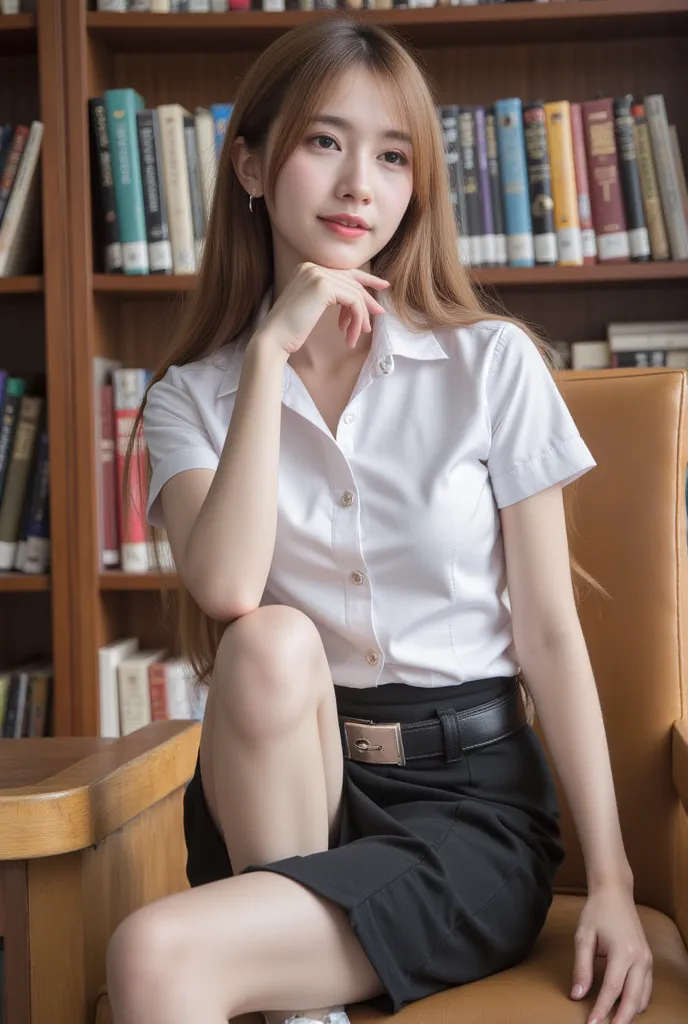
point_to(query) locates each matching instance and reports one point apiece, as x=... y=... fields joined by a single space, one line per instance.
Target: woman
x=352 y=460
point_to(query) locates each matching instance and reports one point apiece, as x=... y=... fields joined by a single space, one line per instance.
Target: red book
x=606 y=198
x=129 y=388
x=157 y=683
x=108 y=473
x=582 y=186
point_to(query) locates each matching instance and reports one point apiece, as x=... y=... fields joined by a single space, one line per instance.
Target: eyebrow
x=341 y=122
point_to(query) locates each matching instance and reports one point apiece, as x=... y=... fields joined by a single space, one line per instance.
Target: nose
x=354 y=182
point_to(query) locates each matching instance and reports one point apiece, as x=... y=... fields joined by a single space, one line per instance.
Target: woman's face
x=350 y=162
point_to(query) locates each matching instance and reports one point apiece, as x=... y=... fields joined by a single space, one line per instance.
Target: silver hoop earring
x=250 y=200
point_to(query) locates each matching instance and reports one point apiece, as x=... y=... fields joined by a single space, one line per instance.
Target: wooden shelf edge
x=472 y=24
x=16 y=582
x=507 y=277
x=115 y=580
x=26 y=284
x=18 y=33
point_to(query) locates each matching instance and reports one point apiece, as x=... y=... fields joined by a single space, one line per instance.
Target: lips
x=349 y=222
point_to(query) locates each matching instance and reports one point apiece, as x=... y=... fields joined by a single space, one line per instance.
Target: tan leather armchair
x=632 y=538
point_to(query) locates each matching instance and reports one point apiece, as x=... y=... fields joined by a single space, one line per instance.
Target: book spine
x=157 y=232
x=134 y=695
x=641 y=357
x=539 y=183
x=129 y=387
x=487 y=220
x=18 y=477
x=103 y=187
x=221 y=114
x=471 y=185
x=564 y=191
x=652 y=203
x=176 y=178
x=667 y=176
x=638 y=236
x=512 y=162
x=17 y=146
x=121 y=106
x=680 y=170
x=195 y=185
x=608 y=213
x=205 y=145
x=157 y=682
x=30 y=495
x=108 y=471
x=449 y=119
x=495 y=185
x=583 y=186
x=21 y=221
x=8 y=424
x=37 y=555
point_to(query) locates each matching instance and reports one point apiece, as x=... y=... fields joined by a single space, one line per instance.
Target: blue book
x=3 y=385
x=221 y=114
x=120 y=107
x=512 y=162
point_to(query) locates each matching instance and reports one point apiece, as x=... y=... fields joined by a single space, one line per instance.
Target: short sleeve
x=535 y=443
x=175 y=435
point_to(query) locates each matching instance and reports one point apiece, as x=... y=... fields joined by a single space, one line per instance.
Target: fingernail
x=577 y=991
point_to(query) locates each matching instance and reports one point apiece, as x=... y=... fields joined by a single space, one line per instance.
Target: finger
x=583 y=964
x=647 y=992
x=378 y=282
x=355 y=324
x=632 y=995
x=612 y=986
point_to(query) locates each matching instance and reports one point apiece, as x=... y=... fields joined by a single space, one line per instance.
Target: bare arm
x=221 y=525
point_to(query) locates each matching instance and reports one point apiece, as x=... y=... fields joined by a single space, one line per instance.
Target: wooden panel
x=28 y=761
x=14 y=930
x=26 y=631
x=149 y=615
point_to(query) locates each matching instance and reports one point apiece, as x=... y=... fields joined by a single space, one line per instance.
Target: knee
x=146 y=961
x=266 y=669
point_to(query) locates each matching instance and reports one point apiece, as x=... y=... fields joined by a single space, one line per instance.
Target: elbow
x=218 y=602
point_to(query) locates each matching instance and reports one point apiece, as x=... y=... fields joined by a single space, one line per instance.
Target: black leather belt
x=450 y=734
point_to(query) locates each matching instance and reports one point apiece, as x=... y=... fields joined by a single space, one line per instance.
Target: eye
x=400 y=162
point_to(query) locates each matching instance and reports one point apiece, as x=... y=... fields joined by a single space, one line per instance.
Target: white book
x=139 y=6
x=219 y=6
x=117 y=6
x=207 y=157
x=590 y=355
x=134 y=691
x=177 y=680
x=199 y=6
x=11 y=6
x=160 y=6
x=109 y=658
x=176 y=177
x=670 y=334
x=21 y=223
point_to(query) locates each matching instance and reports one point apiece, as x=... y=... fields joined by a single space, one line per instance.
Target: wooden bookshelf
x=34 y=337
x=620 y=46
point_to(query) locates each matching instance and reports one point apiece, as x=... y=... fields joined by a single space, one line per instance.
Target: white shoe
x=337 y=1015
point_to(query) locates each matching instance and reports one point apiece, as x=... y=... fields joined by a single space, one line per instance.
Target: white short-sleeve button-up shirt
x=388 y=535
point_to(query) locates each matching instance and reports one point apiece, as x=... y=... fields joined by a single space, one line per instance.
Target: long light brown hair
x=429 y=287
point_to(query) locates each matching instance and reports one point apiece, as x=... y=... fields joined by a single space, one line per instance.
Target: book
x=195 y=185
x=15 y=150
x=103 y=188
x=177 y=189
x=608 y=213
x=106 y=461
x=121 y=106
x=667 y=176
x=564 y=191
x=154 y=201
x=489 y=248
x=512 y=159
x=638 y=236
x=20 y=230
x=129 y=389
x=17 y=478
x=471 y=185
x=588 y=242
x=134 y=689
x=495 y=185
x=539 y=183
x=14 y=390
x=652 y=203
x=109 y=658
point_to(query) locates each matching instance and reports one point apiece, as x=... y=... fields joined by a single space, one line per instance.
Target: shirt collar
x=390 y=338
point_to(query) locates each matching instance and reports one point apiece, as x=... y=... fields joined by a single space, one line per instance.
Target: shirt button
x=372 y=657
x=349 y=418
x=346 y=499
x=357 y=577
x=386 y=364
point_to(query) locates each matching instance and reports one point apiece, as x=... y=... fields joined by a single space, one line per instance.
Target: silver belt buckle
x=374 y=743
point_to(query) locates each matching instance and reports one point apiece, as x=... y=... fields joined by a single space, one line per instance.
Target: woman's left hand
x=609 y=926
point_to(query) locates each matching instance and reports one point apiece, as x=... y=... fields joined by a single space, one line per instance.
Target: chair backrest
x=630 y=535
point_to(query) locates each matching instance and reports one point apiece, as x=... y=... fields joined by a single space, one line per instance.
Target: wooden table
x=90 y=830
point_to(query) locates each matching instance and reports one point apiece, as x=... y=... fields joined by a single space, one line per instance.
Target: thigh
x=259 y=942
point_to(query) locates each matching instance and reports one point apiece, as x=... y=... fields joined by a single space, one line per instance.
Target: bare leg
x=270 y=724
x=208 y=954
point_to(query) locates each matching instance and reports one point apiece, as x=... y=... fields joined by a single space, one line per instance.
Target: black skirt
x=445 y=871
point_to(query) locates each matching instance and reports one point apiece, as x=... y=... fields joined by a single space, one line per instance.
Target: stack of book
x=633 y=344
x=560 y=183
x=24 y=477
x=535 y=184
x=26 y=700
x=137 y=687
x=220 y=6
x=20 y=198
x=153 y=176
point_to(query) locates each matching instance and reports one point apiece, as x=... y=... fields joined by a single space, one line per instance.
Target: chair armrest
x=679 y=759
x=100 y=790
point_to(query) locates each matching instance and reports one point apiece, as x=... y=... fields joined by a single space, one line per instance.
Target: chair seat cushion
x=537 y=990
